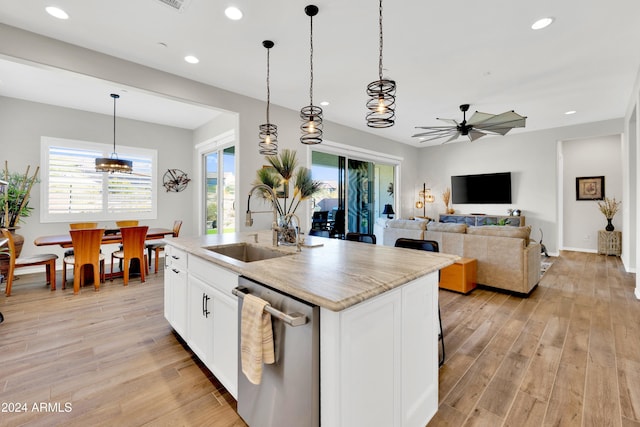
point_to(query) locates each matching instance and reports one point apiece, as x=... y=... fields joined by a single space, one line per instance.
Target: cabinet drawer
x=218 y=277
x=176 y=257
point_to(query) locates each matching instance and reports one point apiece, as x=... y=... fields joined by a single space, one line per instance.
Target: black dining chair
x=430 y=246
x=320 y=220
x=361 y=237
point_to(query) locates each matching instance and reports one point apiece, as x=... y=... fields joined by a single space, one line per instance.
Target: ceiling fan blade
x=433 y=138
x=479 y=117
x=475 y=134
x=441 y=132
x=510 y=119
x=434 y=127
x=451 y=121
x=453 y=138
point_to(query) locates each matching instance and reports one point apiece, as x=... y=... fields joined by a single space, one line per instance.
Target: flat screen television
x=484 y=188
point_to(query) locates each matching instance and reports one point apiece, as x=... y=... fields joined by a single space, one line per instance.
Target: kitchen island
x=378 y=318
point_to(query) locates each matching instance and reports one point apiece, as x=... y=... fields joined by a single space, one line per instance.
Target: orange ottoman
x=460 y=276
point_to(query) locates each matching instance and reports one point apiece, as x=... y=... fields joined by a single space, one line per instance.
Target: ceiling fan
x=479 y=125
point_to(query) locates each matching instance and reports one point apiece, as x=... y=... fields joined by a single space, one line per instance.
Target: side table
x=460 y=276
x=609 y=242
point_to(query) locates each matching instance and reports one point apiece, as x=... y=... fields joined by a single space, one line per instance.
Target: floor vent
x=179 y=5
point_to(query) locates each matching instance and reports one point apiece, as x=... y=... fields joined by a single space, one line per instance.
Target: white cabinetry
x=208 y=312
x=379 y=359
x=175 y=289
x=200 y=335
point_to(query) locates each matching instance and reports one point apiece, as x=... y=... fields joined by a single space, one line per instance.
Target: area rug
x=546 y=263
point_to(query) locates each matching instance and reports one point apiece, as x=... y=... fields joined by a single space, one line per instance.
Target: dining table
x=111 y=236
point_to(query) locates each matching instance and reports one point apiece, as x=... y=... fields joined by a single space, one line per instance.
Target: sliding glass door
x=354 y=191
x=219 y=187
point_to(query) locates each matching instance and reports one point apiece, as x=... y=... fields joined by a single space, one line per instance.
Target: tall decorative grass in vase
x=609 y=208
x=446 y=198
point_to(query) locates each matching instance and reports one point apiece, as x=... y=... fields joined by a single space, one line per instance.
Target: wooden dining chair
x=48 y=260
x=79 y=226
x=132 y=248
x=157 y=247
x=86 y=251
x=127 y=223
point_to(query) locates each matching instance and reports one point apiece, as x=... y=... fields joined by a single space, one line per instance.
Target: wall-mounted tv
x=484 y=188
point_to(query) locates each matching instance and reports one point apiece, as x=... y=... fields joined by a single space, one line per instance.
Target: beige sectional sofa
x=507 y=259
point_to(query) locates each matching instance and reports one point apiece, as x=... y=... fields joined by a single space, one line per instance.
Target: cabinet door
x=175 y=290
x=224 y=360
x=200 y=330
x=179 y=297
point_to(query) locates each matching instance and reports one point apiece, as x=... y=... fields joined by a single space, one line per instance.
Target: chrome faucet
x=274 y=201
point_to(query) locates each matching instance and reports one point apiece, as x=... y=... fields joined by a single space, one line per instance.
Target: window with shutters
x=72 y=190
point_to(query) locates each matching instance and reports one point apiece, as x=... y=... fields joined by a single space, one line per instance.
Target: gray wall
x=531 y=157
x=23 y=123
x=582 y=219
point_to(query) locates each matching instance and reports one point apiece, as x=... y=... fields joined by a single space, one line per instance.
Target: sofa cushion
x=406 y=224
x=500 y=231
x=447 y=227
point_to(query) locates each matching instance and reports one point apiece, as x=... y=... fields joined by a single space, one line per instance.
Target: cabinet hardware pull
x=205 y=305
x=293 y=319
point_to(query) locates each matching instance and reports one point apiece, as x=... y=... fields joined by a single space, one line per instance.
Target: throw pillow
x=447 y=227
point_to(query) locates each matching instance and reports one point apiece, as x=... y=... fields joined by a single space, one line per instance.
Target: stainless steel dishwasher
x=289 y=393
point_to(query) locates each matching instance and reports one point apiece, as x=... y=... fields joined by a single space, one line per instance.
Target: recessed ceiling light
x=233 y=13
x=56 y=12
x=542 y=23
x=570 y=112
x=324 y=103
x=191 y=59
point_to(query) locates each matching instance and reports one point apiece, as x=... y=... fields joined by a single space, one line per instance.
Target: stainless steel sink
x=246 y=252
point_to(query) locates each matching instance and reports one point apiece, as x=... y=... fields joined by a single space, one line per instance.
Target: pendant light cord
x=380 y=24
x=311 y=62
x=268 y=90
x=114 y=96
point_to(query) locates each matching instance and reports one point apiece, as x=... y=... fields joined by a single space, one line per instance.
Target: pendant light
x=268 y=145
x=113 y=164
x=311 y=115
x=382 y=94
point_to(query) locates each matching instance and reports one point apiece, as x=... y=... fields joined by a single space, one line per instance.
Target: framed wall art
x=590 y=188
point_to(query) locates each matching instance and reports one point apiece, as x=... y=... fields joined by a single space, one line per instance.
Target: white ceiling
x=442 y=54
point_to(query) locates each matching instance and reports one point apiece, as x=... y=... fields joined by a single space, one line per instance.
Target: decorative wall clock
x=175 y=180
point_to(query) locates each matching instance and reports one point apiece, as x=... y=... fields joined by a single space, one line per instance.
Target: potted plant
x=609 y=208
x=282 y=175
x=14 y=202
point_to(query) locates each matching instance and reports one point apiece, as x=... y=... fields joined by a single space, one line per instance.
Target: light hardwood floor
x=568 y=355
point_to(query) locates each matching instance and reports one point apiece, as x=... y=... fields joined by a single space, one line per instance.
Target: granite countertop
x=334 y=274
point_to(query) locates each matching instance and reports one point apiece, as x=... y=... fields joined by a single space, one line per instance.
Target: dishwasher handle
x=293 y=319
